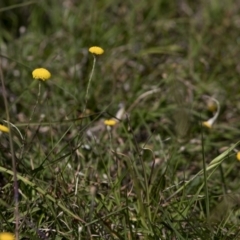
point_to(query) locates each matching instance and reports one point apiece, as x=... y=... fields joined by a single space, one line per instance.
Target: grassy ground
x=158 y=173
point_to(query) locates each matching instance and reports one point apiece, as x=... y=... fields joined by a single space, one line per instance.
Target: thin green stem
x=30 y=119
x=15 y=183
x=205 y=178
x=17 y=6
x=89 y=82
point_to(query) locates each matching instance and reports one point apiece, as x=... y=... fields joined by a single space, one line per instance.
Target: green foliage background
x=73 y=168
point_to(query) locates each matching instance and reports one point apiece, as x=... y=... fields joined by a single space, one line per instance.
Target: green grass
x=157 y=174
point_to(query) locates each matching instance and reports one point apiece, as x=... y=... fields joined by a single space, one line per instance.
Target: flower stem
x=15 y=183
x=89 y=83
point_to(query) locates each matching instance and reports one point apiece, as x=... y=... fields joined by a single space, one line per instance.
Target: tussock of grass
x=152 y=170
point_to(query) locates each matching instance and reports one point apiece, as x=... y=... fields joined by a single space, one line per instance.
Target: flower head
x=208 y=124
x=3 y=129
x=41 y=73
x=215 y=107
x=110 y=122
x=6 y=236
x=96 y=50
x=238 y=156
x=212 y=106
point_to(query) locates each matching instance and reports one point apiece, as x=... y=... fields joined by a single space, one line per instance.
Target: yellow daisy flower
x=41 y=73
x=238 y=156
x=4 y=129
x=96 y=50
x=110 y=122
x=6 y=236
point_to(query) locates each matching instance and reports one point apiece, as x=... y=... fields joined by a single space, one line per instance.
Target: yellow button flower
x=96 y=50
x=6 y=236
x=238 y=156
x=41 y=73
x=4 y=129
x=110 y=122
